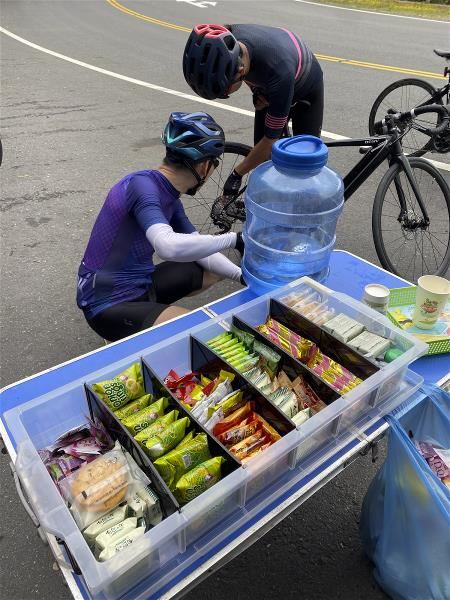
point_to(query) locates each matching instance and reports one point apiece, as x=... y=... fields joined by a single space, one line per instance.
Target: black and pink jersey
x=280 y=70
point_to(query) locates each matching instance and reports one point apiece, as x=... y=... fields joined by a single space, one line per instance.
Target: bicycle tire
x=198 y=207
x=439 y=193
x=421 y=92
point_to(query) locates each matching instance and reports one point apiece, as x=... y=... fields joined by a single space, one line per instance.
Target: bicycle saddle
x=442 y=53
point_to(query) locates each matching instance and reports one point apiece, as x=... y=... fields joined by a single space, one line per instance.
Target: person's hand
x=259 y=101
x=240 y=245
x=232 y=184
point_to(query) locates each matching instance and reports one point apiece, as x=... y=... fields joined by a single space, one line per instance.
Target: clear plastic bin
x=181 y=538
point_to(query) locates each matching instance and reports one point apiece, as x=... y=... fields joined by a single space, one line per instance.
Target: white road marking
x=198 y=3
x=158 y=88
x=371 y=12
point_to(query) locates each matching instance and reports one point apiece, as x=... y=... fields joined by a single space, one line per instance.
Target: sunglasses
x=215 y=162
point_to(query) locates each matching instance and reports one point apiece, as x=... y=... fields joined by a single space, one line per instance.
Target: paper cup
x=432 y=293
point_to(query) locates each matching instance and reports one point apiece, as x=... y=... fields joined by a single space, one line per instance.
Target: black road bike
x=406 y=94
x=411 y=210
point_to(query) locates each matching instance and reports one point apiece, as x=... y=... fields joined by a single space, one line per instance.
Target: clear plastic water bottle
x=292 y=203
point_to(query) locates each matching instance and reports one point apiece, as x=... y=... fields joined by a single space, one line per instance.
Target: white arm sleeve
x=183 y=247
x=221 y=266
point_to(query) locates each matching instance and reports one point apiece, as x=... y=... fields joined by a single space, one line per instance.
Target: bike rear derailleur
x=225 y=211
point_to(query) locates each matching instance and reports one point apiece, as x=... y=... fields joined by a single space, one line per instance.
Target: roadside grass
x=413 y=9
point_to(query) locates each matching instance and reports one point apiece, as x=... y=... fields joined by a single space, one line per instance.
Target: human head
x=193 y=141
x=211 y=60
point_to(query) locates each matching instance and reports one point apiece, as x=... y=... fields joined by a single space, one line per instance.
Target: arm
x=184 y=247
x=260 y=153
x=220 y=265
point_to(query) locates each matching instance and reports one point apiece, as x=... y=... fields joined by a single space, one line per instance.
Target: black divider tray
x=99 y=409
x=154 y=385
x=292 y=366
x=339 y=351
x=204 y=358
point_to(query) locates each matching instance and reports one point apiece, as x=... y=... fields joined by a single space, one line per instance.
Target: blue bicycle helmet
x=193 y=137
x=211 y=60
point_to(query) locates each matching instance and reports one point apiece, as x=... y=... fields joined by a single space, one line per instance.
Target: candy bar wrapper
x=167 y=439
x=284 y=380
x=269 y=359
x=145 y=417
x=120 y=390
x=233 y=419
x=229 y=404
x=176 y=463
x=133 y=407
x=246 y=338
x=174 y=381
x=236 y=434
x=156 y=427
x=290 y=406
x=82 y=447
x=268 y=430
x=199 y=479
x=212 y=421
x=121 y=544
x=302 y=416
x=258 y=450
x=249 y=445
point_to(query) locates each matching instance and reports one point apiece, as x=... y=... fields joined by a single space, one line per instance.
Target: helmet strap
x=200 y=180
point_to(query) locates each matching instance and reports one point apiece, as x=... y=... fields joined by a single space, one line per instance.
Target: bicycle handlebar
x=381 y=126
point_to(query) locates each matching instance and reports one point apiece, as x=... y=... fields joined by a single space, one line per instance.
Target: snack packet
x=233 y=419
x=167 y=439
x=198 y=480
x=145 y=417
x=246 y=338
x=269 y=359
x=133 y=407
x=114 y=533
x=123 y=388
x=230 y=403
x=179 y=461
x=121 y=544
x=111 y=518
x=249 y=445
x=156 y=427
x=236 y=434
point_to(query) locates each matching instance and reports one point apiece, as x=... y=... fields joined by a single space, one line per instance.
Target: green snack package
x=238 y=349
x=167 y=439
x=198 y=480
x=246 y=338
x=145 y=417
x=133 y=407
x=187 y=438
x=156 y=427
x=218 y=338
x=231 y=343
x=179 y=461
x=269 y=359
x=123 y=388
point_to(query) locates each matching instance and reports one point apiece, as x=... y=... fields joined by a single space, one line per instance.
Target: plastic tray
x=406 y=298
x=186 y=534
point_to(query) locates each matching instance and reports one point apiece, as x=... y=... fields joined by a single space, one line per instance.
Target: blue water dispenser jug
x=292 y=203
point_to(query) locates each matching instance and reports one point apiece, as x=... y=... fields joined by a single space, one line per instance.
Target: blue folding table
x=348 y=274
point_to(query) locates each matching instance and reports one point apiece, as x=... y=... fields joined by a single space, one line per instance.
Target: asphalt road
x=70 y=132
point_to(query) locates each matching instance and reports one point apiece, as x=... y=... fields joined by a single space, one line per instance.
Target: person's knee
x=171 y=312
x=210 y=279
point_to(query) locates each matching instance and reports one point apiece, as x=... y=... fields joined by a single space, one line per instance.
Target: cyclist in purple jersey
x=282 y=72
x=119 y=289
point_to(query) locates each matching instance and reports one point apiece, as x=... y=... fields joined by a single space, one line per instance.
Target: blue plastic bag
x=405 y=519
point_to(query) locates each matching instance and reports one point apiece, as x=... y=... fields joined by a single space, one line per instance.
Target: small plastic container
x=292 y=203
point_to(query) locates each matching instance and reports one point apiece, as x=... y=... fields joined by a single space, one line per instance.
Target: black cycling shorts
x=171 y=281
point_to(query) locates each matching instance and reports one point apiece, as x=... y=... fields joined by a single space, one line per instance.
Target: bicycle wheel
x=405 y=245
x=198 y=207
x=401 y=96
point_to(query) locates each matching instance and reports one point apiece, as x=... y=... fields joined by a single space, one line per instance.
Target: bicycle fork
x=400 y=158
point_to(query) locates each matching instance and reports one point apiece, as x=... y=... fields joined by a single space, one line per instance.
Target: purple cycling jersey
x=118 y=262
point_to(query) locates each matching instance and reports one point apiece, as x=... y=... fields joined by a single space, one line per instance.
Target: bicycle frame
x=380 y=148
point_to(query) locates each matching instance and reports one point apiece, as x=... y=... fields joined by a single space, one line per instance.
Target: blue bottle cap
x=301 y=152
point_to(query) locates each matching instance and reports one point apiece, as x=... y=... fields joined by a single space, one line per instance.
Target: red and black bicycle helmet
x=210 y=60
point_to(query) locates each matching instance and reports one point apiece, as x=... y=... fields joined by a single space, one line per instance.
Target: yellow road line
x=344 y=61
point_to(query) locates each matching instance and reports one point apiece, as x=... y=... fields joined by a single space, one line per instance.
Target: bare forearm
x=260 y=153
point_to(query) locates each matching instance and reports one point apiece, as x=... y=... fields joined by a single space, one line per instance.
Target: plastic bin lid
x=302 y=152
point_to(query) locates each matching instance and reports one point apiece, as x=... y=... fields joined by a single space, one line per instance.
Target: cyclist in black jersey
x=283 y=74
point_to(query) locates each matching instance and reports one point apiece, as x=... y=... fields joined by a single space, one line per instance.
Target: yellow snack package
x=123 y=388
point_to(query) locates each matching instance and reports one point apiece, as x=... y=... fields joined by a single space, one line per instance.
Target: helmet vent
x=205 y=54
x=230 y=42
